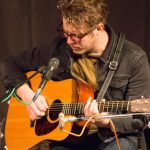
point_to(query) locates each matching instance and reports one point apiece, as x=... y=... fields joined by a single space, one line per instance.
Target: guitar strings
x=79 y=105
x=105 y=103
x=119 y=105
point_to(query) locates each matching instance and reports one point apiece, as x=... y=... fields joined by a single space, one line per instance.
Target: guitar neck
x=138 y=105
x=77 y=108
x=113 y=106
x=107 y=106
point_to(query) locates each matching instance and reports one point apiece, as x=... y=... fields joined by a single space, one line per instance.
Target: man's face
x=81 y=42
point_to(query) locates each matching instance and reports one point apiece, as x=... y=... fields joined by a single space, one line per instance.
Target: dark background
x=28 y=23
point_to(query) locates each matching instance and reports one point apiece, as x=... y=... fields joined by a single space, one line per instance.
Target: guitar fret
x=122 y=106
x=83 y=105
x=66 y=109
x=99 y=106
x=71 y=108
x=128 y=105
x=63 y=109
x=82 y=108
x=103 y=106
x=117 y=107
x=107 y=106
x=75 y=108
x=112 y=106
x=78 y=108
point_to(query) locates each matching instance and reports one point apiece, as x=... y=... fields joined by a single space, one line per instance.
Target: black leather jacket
x=131 y=79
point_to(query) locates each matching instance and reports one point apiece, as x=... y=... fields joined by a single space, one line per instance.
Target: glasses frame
x=74 y=37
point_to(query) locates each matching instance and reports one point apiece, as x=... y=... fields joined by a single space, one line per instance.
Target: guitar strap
x=112 y=67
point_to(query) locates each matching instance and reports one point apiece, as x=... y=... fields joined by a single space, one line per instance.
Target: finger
x=40 y=103
x=44 y=102
x=92 y=106
x=34 y=112
x=88 y=103
x=96 y=111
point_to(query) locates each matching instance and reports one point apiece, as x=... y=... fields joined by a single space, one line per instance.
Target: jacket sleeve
x=13 y=69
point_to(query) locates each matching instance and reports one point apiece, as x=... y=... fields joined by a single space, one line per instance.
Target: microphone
x=51 y=67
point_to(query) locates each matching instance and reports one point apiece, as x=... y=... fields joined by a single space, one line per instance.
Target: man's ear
x=100 y=27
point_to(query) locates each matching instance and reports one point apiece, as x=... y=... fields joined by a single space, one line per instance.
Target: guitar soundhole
x=43 y=126
x=55 y=109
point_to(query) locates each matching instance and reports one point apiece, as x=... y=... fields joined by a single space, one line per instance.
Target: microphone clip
x=62 y=120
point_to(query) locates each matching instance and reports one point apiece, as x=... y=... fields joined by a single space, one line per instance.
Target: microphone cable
x=85 y=125
x=12 y=92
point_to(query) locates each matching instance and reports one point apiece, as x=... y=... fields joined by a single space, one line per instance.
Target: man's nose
x=70 y=40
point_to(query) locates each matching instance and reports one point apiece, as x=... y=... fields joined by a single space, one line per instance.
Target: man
x=84 y=51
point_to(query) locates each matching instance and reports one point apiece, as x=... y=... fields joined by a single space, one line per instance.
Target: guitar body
x=20 y=134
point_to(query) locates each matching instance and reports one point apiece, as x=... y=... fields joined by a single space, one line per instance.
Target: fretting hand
x=91 y=109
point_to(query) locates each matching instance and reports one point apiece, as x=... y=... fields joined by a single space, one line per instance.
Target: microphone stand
x=10 y=92
x=139 y=123
x=40 y=70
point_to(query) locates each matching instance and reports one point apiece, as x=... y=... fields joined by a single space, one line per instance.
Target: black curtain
x=28 y=23
x=133 y=18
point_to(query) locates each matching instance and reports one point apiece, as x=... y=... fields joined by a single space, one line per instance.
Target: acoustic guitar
x=68 y=96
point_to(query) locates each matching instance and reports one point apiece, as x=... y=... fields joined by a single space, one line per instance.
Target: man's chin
x=78 y=52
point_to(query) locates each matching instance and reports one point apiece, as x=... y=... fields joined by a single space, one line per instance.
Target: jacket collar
x=110 y=48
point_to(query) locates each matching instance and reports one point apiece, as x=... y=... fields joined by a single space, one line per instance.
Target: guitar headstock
x=140 y=105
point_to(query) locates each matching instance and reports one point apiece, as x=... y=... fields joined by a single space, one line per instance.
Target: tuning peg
x=142 y=97
x=129 y=98
x=103 y=100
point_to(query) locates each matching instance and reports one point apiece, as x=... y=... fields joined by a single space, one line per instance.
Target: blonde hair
x=85 y=13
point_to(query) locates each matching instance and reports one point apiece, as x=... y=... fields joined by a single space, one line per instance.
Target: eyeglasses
x=74 y=37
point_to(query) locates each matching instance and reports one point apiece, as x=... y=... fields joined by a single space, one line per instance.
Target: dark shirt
x=130 y=81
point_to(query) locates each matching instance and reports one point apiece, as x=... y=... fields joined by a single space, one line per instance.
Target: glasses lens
x=74 y=37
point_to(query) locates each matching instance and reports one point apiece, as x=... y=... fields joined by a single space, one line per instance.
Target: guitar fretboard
x=103 y=106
